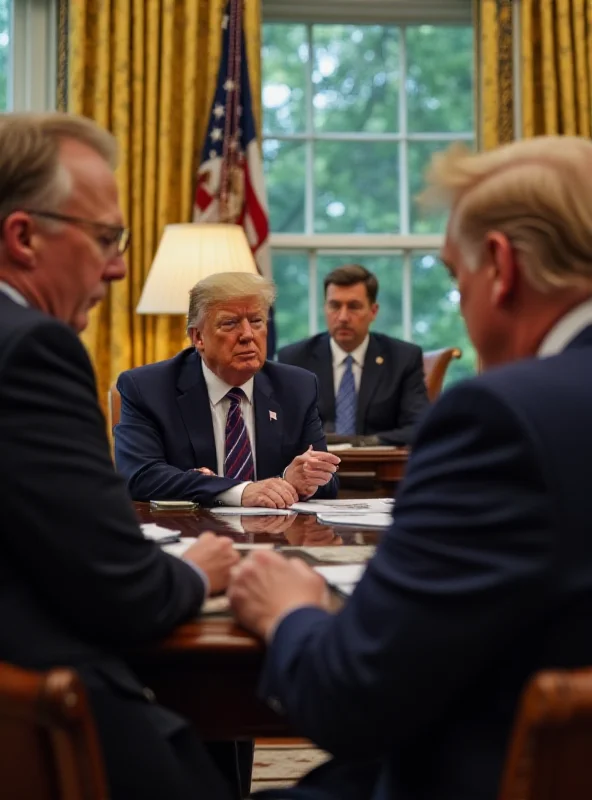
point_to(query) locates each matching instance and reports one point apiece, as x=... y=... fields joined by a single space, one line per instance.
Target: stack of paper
x=371 y=505
x=343 y=577
x=374 y=520
x=159 y=534
x=250 y=511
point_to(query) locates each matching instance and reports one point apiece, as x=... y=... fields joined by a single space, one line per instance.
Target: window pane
x=5 y=45
x=388 y=270
x=284 y=179
x=284 y=57
x=356 y=187
x=419 y=156
x=355 y=78
x=437 y=321
x=290 y=273
x=439 y=79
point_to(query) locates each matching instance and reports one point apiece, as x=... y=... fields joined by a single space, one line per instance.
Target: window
x=5 y=52
x=28 y=54
x=351 y=116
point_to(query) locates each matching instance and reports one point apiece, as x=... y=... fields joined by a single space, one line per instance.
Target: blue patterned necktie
x=346 y=402
x=238 y=456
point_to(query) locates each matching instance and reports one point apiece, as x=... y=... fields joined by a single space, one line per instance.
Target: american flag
x=230 y=185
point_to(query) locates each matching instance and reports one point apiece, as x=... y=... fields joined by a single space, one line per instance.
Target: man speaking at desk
x=218 y=423
x=371 y=386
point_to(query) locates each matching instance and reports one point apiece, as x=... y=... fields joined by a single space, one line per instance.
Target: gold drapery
x=495 y=69
x=556 y=54
x=146 y=69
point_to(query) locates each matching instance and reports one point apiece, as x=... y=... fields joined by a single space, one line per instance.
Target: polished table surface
x=208 y=669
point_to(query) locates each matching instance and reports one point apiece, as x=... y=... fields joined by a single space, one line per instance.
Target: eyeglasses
x=118 y=238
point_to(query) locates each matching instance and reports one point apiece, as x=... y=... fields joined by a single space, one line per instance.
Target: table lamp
x=187 y=253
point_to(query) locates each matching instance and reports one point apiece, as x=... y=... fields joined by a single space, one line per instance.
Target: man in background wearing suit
x=79 y=579
x=218 y=423
x=486 y=576
x=370 y=385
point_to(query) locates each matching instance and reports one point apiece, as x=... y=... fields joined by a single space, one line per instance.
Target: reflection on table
x=208 y=669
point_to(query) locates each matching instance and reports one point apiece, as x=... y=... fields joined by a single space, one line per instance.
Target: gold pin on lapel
x=379 y=360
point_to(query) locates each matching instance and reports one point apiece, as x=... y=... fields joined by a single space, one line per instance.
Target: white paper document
x=179 y=548
x=159 y=534
x=377 y=505
x=367 y=520
x=343 y=577
x=344 y=554
x=250 y=511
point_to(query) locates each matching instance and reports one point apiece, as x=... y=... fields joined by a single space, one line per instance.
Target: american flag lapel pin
x=273 y=416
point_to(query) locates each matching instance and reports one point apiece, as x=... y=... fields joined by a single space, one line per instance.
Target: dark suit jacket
x=484 y=579
x=392 y=394
x=166 y=430
x=78 y=578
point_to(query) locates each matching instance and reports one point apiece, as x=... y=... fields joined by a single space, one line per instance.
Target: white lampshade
x=187 y=253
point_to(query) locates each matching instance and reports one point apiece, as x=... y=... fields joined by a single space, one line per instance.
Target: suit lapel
x=194 y=405
x=269 y=427
x=324 y=372
x=374 y=365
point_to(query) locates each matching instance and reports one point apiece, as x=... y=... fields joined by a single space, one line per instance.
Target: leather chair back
x=48 y=742
x=435 y=364
x=113 y=406
x=550 y=753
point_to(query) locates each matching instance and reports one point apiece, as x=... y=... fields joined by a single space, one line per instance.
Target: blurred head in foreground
x=519 y=237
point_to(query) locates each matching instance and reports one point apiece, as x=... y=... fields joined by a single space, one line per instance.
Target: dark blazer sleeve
x=78 y=537
x=413 y=404
x=459 y=578
x=140 y=456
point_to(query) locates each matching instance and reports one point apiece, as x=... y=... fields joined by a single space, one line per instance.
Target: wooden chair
x=435 y=364
x=550 y=752
x=48 y=742
x=113 y=406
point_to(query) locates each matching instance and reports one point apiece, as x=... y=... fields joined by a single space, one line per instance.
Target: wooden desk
x=208 y=670
x=386 y=463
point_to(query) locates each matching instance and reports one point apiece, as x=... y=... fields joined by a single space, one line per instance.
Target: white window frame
x=33 y=64
x=405 y=244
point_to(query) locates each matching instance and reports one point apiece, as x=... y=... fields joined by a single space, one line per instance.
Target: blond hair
x=537 y=192
x=225 y=286
x=31 y=175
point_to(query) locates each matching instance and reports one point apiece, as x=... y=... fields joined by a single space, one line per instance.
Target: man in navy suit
x=218 y=423
x=486 y=575
x=79 y=579
x=387 y=392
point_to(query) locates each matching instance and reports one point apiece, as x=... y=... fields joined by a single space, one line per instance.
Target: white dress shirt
x=566 y=330
x=11 y=292
x=219 y=406
x=339 y=355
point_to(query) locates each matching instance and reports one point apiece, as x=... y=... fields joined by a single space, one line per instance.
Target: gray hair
x=224 y=286
x=31 y=175
x=537 y=192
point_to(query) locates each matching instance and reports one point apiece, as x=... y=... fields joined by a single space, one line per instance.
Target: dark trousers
x=151 y=753
x=235 y=761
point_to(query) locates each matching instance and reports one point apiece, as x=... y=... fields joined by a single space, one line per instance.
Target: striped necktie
x=238 y=456
x=346 y=402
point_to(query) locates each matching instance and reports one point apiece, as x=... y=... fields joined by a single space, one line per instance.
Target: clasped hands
x=263 y=587
x=302 y=478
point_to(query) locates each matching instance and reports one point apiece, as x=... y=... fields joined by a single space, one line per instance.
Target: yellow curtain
x=556 y=53
x=493 y=20
x=146 y=69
